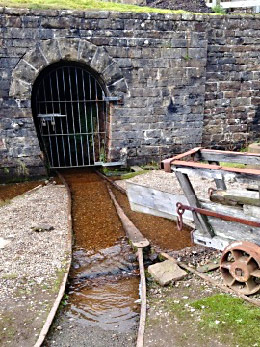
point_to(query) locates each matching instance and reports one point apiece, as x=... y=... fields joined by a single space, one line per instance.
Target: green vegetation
x=234 y=165
x=81 y=5
x=224 y=314
x=218 y=9
x=219 y=315
x=132 y=174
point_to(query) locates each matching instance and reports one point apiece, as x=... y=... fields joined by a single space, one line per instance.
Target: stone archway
x=48 y=52
x=71 y=49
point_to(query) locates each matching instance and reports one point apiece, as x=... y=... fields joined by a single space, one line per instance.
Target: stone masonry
x=187 y=80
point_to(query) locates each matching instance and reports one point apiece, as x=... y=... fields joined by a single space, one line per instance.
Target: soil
x=168 y=325
x=197 y=6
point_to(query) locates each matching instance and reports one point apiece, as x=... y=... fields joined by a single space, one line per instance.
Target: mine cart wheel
x=240 y=267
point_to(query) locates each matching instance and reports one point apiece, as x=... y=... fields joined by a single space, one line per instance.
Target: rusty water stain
x=104 y=278
x=9 y=191
x=159 y=231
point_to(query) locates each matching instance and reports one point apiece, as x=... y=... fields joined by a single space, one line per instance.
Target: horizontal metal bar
x=114 y=163
x=191 y=164
x=71 y=166
x=70 y=101
x=51 y=115
x=118 y=99
x=181 y=208
x=74 y=134
x=166 y=163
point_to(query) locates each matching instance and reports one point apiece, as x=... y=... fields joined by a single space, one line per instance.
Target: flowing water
x=104 y=277
x=101 y=307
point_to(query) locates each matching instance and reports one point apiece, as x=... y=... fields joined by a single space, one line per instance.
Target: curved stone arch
x=52 y=51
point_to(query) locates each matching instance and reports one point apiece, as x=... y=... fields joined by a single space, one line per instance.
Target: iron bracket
x=117 y=99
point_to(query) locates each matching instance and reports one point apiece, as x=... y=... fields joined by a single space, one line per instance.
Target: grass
x=224 y=314
x=234 y=165
x=132 y=174
x=233 y=321
x=82 y=5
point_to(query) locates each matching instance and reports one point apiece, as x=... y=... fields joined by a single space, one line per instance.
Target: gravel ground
x=165 y=182
x=32 y=262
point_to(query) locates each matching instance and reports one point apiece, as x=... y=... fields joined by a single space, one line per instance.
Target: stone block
x=100 y=60
x=166 y=272
x=50 y=50
x=25 y=72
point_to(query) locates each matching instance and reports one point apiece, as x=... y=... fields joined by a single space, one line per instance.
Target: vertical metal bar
x=91 y=118
x=72 y=113
x=77 y=89
x=39 y=123
x=46 y=110
x=67 y=126
x=61 y=123
x=98 y=128
x=85 y=112
x=57 y=147
x=105 y=108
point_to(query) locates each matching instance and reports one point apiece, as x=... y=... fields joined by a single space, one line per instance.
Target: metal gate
x=70 y=111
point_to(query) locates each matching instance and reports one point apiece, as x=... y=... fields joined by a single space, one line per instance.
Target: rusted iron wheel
x=240 y=267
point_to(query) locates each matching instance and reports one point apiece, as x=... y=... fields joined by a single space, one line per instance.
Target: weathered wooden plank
x=228 y=156
x=201 y=221
x=159 y=203
x=220 y=182
x=234 y=211
x=232 y=230
x=236 y=197
x=156 y=213
x=240 y=176
x=213 y=242
x=252 y=211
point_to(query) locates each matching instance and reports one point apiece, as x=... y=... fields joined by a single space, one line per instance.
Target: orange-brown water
x=9 y=191
x=104 y=283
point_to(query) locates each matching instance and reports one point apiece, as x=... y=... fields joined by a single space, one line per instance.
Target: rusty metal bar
x=177 y=161
x=166 y=164
x=181 y=209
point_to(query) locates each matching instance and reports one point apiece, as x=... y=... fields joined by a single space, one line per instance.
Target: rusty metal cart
x=230 y=219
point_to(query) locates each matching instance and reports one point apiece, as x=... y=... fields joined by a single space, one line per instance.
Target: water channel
x=101 y=305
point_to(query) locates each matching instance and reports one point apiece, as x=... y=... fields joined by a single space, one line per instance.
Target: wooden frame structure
x=210 y=230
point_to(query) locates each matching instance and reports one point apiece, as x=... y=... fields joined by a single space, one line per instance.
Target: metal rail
x=181 y=209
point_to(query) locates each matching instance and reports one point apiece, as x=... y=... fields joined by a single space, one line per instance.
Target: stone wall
x=170 y=68
x=232 y=96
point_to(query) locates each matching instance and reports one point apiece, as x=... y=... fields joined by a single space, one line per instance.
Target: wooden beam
x=236 y=197
x=201 y=221
x=229 y=157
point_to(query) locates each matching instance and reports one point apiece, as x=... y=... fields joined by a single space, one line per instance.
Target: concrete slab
x=165 y=272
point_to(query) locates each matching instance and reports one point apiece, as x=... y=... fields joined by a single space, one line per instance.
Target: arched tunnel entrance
x=70 y=114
